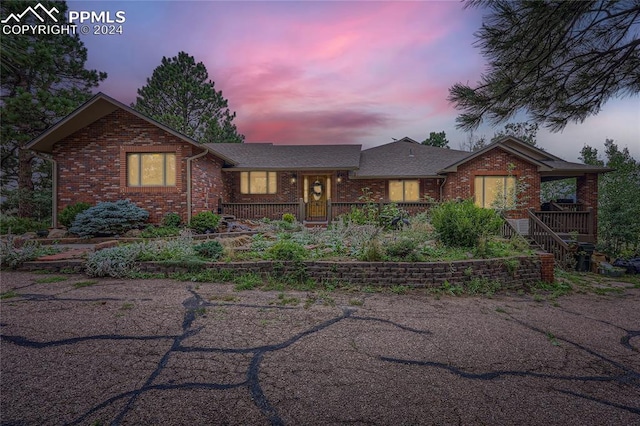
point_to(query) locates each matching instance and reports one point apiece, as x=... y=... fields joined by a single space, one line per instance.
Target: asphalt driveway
x=164 y=352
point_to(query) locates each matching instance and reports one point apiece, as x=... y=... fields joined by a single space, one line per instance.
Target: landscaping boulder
x=55 y=234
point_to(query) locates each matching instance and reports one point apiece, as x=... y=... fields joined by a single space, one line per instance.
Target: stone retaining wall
x=513 y=272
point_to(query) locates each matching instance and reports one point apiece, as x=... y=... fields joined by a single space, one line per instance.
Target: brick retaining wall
x=513 y=272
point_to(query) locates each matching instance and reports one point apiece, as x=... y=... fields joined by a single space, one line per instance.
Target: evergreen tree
x=438 y=139
x=180 y=95
x=558 y=61
x=43 y=79
x=618 y=199
x=526 y=132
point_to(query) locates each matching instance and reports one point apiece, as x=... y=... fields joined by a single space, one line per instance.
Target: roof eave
x=56 y=133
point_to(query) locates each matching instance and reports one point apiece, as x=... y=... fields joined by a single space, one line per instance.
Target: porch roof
x=266 y=156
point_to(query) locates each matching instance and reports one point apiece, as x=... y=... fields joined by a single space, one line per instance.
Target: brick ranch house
x=106 y=151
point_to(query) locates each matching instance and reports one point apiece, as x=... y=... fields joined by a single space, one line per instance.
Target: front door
x=317 y=198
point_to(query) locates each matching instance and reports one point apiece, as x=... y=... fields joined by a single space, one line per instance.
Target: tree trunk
x=25 y=183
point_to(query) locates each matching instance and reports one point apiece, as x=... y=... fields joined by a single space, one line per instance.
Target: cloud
x=313 y=127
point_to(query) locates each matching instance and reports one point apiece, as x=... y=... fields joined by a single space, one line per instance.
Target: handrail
x=507 y=230
x=566 y=221
x=548 y=240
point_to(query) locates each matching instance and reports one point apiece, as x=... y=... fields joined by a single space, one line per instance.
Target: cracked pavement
x=160 y=351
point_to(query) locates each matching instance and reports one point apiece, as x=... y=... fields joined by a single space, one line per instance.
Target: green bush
x=288 y=217
x=388 y=213
x=117 y=262
x=160 y=231
x=404 y=249
x=210 y=250
x=176 y=249
x=12 y=256
x=462 y=223
x=109 y=218
x=286 y=250
x=171 y=220
x=69 y=213
x=20 y=225
x=204 y=222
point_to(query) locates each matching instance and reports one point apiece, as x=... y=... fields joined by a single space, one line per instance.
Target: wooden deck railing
x=275 y=211
x=573 y=207
x=412 y=208
x=272 y=211
x=548 y=240
x=508 y=230
x=568 y=221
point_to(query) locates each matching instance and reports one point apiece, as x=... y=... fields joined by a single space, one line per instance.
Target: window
x=495 y=191
x=258 y=183
x=404 y=190
x=151 y=169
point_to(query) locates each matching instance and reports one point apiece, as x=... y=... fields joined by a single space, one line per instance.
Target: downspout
x=54 y=186
x=189 y=160
x=442 y=186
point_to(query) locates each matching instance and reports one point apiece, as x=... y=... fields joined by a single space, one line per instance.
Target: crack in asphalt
x=195 y=303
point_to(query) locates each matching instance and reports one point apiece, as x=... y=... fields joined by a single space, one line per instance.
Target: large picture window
x=495 y=191
x=404 y=190
x=258 y=182
x=151 y=169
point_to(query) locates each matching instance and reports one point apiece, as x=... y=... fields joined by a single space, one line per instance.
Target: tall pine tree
x=179 y=95
x=43 y=79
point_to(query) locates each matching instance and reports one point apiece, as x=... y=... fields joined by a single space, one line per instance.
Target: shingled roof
x=405 y=158
x=266 y=156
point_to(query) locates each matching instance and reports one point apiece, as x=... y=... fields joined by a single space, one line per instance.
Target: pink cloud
x=316 y=127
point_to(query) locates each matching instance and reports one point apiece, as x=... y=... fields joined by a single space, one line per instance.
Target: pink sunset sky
x=331 y=72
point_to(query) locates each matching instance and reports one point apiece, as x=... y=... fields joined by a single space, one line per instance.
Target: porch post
x=301 y=212
x=329 y=212
x=591 y=222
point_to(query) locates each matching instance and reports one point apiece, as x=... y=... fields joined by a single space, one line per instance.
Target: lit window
x=495 y=191
x=258 y=182
x=404 y=190
x=151 y=169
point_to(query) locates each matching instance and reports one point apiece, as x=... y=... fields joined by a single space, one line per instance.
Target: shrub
x=204 y=222
x=171 y=220
x=178 y=249
x=69 y=213
x=160 y=231
x=210 y=250
x=404 y=249
x=117 y=262
x=461 y=224
x=286 y=250
x=109 y=218
x=12 y=256
x=370 y=251
x=388 y=213
x=288 y=217
x=20 y=225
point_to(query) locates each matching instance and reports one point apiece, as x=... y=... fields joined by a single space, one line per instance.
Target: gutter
x=54 y=186
x=189 y=160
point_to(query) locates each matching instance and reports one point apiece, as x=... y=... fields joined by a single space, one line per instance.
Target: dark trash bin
x=583 y=256
x=632 y=266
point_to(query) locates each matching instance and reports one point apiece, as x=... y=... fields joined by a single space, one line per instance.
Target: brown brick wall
x=91 y=166
x=496 y=162
x=207 y=184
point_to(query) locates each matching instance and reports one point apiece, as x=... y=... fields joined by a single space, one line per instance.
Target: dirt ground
x=163 y=352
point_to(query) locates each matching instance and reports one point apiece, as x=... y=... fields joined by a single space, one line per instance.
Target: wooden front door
x=317 y=201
